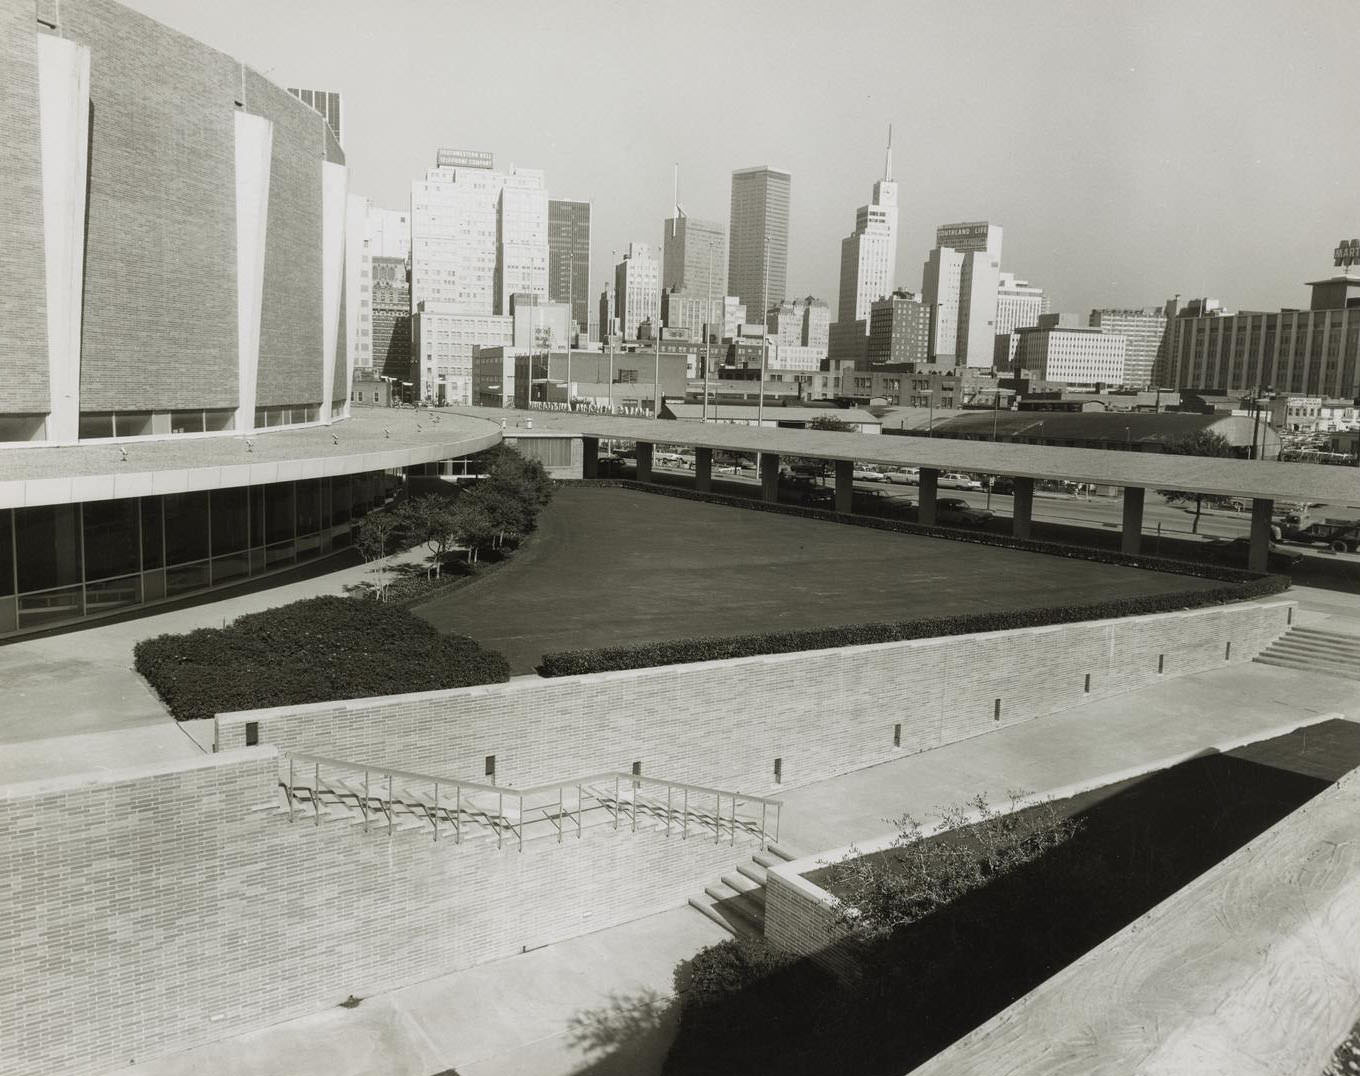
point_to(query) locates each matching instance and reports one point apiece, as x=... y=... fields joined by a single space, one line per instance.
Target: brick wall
x=23 y=289
x=723 y=723
x=800 y=919
x=160 y=278
x=153 y=910
x=291 y=316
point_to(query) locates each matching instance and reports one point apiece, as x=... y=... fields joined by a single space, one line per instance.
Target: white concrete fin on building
x=357 y=286
x=254 y=151
x=334 y=192
x=64 y=112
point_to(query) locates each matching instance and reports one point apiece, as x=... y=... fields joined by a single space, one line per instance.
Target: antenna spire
x=675 y=217
x=887 y=160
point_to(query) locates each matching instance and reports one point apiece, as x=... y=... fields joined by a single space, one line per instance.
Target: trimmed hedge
x=1238 y=586
x=684 y=651
x=314 y=650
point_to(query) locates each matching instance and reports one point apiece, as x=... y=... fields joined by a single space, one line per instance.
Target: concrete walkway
x=1133 y=732
x=76 y=690
x=598 y=1004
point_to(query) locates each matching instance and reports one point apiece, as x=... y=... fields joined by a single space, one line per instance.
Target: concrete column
x=1022 y=510
x=1258 y=559
x=703 y=469
x=930 y=484
x=644 y=461
x=845 y=486
x=1131 y=537
x=769 y=476
x=590 y=457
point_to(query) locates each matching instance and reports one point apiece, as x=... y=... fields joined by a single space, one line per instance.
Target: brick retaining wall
x=152 y=910
x=723 y=723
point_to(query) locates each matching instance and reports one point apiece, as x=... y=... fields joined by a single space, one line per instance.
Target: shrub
x=684 y=651
x=310 y=651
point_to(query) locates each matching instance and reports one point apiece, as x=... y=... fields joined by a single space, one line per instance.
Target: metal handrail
x=551 y=786
x=371 y=802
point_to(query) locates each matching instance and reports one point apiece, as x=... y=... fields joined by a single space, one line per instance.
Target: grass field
x=611 y=566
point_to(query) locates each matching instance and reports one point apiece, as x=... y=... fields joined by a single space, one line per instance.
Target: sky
x=1130 y=151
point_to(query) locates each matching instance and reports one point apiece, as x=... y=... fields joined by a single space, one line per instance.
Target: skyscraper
x=370 y=232
x=694 y=256
x=760 y=211
x=959 y=284
x=569 y=257
x=637 y=287
x=869 y=253
x=1018 y=306
x=478 y=236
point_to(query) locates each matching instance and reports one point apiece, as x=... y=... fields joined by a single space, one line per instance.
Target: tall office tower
x=960 y=284
x=760 y=211
x=899 y=330
x=569 y=257
x=637 y=287
x=694 y=256
x=608 y=322
x=478 y=236
x=1145 y=331
x=869 y=253
x=326 y=103
x=391 y=317
x=798 y=330
x=1018 y=306
x=370 y=232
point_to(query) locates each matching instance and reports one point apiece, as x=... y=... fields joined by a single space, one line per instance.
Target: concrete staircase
x=737 y=902
x=1315 y=650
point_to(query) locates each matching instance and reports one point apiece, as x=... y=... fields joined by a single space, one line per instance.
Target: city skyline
x=1120 y=195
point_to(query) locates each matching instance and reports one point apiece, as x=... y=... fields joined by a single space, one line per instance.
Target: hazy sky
x=1130 y=150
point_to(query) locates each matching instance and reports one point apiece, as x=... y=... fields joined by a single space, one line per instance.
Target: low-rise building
x=1061 y=349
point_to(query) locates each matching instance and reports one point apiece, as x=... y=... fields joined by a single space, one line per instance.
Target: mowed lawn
x=611 y=567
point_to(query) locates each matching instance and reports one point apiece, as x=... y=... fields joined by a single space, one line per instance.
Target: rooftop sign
x=1347 y=253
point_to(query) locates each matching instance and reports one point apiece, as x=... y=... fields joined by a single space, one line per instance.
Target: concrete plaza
x=601 y=1003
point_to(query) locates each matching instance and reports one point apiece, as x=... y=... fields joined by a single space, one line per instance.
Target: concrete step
x=767 y=859
x=733 y=915
x=753 y=871
x=747 y=889
x=1295 y=663
x=1308 y=650
x=783 y=851
x=1324 y=633
x=1319 y=642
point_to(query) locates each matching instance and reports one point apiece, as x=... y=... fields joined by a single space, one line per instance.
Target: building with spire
x=693 y=269
x=868 y=265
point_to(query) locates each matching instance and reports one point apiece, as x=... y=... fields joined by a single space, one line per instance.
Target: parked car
x=1235 y=551
x=610 y=466
x=956 y=512
x=955 y=480
x=866 y=474
x=668 y=459
x=877 y=502
x=907 y=476
x=1003 y=486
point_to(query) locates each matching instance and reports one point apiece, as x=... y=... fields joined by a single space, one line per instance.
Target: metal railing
x=328 y=788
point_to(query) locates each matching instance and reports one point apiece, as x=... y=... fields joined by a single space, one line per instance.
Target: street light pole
x=764 y=334
x=708 y=333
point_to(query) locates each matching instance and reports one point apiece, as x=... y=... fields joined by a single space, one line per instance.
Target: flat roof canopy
x=1150 y=470
x=374 y=439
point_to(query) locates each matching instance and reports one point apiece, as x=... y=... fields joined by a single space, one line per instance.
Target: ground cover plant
x=313 y=650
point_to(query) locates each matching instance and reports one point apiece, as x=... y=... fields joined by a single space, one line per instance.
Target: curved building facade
x=172 y=257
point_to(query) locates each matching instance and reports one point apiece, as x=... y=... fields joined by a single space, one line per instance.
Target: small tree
x=472 y=525
x=506 y=467
x=831 y=423
x=1203 y=443
x=430 y=521
x=375 y=539
x=510 y=510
